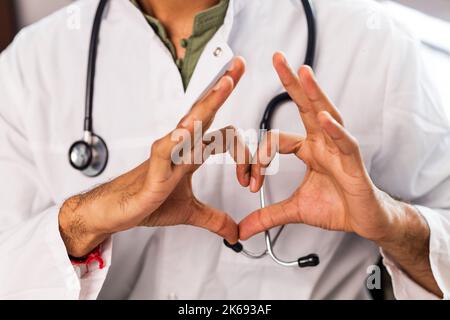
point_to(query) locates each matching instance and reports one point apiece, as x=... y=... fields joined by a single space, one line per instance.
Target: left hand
x=337 y=192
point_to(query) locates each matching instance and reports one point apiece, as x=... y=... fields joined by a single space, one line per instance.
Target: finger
x=205 y=110
x=236 y=69
x=291 y=83
x=344 y=141
x=267 y=218
x=217 y=222
x=162 y=153
x=272 y=143
x=230 y=140
x=315 y=94
x=266 y=152
x=338 y=134
x=242 y=156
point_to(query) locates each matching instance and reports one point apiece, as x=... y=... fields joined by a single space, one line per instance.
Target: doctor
x=379 y=181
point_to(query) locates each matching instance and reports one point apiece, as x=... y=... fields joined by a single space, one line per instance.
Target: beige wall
x=438 y=8
x=33 y=10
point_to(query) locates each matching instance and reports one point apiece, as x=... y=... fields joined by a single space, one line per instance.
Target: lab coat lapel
x=212 y=64
x=214 y=60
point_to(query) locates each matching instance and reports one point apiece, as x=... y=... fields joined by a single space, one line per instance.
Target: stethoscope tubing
x=265 y=125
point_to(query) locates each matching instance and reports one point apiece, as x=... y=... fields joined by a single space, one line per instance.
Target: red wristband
x=91 y=257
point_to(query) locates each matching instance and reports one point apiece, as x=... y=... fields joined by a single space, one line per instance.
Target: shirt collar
x=203 y=22
x=210 y=18
x=125 y=8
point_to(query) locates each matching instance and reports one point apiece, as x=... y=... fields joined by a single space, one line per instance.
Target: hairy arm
x=408 y=244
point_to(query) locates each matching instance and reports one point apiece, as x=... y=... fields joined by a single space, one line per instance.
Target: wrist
x=405 y=228
x=77 y=232
x=408 y=244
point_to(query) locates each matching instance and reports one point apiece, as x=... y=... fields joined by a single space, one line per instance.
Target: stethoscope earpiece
x=90 y=156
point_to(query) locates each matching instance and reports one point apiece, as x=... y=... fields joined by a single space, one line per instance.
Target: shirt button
x=217 y=52
x=184 y=43
x=172 y=296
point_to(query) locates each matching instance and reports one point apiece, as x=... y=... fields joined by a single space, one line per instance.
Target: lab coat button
x=218 y=52
x=172 y=296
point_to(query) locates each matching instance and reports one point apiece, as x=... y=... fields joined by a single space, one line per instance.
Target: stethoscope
x=311 y=260
x=90 y=154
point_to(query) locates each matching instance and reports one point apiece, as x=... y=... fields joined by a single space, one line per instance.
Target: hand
x=158 y=192
x=336 y=193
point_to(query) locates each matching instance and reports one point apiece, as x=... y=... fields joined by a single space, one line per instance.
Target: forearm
x=408 y=244
x=75 y=230
x=86 y=220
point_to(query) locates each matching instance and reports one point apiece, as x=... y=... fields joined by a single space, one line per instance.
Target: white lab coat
x=366 y=62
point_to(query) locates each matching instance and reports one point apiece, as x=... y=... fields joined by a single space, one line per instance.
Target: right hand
x=158 y=192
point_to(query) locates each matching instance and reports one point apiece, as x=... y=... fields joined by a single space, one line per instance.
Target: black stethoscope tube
x=92 y=64
x=309 y=60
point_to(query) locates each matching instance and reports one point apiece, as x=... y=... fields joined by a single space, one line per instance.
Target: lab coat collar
x=234 y=7
x=214 y=59
x=124 y=8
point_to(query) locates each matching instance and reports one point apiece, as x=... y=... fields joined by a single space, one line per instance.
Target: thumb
x=217 y=222
x=264 y=219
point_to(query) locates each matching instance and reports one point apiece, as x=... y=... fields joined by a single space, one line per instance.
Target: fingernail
x=283 y=57
x=253 y=184
x=247 y=176
x=218 y=86
x=311 y=71
x=231 y=66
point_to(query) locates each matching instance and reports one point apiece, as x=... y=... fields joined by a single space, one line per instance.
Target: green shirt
x=206 y=24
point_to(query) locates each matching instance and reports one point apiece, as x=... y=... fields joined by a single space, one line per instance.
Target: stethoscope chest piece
x=90 y=156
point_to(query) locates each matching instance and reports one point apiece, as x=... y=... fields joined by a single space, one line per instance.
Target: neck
x=177 y=16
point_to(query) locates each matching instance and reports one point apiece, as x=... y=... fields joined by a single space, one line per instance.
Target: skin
x=157 y=192
x=177 y=16
x=336 y=194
